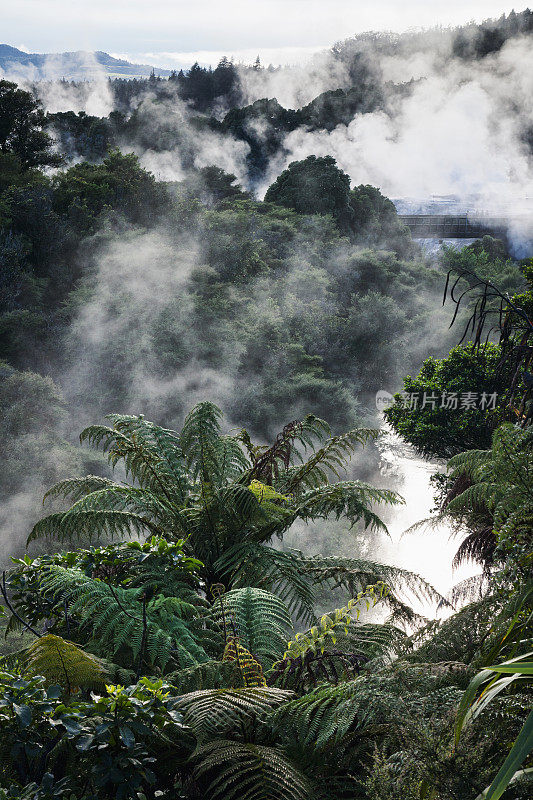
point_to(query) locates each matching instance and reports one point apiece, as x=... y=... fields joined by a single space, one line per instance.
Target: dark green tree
x=315 y=186
x=119 y=184
x=442 y=410
x=22 y=120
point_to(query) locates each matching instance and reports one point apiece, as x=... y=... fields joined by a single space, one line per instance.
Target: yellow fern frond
x=250 y=669
x=64 y=663
x=316 y=638
x=266 y=493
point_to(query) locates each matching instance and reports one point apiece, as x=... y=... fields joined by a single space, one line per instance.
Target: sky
x=178 y=32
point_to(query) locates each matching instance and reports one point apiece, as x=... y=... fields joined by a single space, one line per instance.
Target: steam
x=295 y=86
x=138 y=296
x=171 y=146
x=460 y=130
x=93 y=96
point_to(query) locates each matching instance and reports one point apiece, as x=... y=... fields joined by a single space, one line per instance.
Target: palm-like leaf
x=218 y=712
x=492 y=493
x=114 y=617
x=64 y=663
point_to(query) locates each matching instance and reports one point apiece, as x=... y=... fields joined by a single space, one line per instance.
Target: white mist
x=429 y=550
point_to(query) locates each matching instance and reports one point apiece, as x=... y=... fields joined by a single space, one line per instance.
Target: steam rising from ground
x=138 y=295
x=461 y=130
x=171 y=146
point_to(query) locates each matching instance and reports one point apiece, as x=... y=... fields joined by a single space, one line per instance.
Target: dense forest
x=194 y=326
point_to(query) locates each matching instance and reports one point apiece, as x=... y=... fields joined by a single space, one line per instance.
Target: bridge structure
x=455 y=226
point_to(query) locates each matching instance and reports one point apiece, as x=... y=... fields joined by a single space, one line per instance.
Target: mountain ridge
x=73 y=65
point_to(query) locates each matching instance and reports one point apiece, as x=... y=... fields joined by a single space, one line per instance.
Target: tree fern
x=219 y=494
x=496 y=500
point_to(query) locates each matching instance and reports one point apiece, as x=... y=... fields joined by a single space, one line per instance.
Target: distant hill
x=78 y=65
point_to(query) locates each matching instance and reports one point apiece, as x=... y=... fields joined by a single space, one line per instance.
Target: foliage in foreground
x=168 y=668
x=227 y=498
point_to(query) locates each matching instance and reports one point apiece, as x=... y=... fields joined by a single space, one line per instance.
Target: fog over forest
x=224 y=266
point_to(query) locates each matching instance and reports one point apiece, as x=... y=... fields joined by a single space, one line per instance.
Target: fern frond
x=245 y=771
x=62 y=662
x=218 y=712
x=316 y=638
x=91 y=525
x=354 y=575
x=260 y=620
x=350 y=499
x=76 y=488
x=200 y=441
x=469 y=462
x=207 y=675
x=249 y=669
x=323 y=717
x=114 y=617
x=329 y=459
x=272 y=570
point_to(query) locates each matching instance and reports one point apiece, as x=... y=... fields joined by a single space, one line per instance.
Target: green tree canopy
x=442 y=410
x=315 y=186
x=22 y=120
x=85 y=191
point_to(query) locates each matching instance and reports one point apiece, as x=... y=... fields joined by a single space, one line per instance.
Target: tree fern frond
x=260 y=620
x=200 y=441
x=210 y=674
x=322 y=717
x=329 y=459
x=91 y=525
x=272 y=570
x=246 y=771
x=350 y=499
x=479 y=546
x=218 y=712
x=76 y=488
x=468 y=590
x=354 y=575
x=469 y=462
x=114 y=615
x=62 y=662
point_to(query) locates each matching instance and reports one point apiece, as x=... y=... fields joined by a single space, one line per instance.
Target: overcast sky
x=178 y=31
